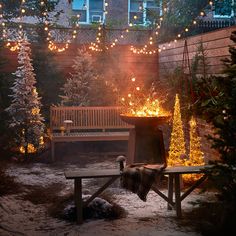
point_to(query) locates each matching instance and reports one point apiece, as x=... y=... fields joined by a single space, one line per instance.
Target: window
x=89 y=10
x=223 y=8
x=143 y=12
x=152 y=11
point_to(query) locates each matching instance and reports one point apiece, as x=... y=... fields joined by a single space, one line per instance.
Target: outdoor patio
x=117 y=117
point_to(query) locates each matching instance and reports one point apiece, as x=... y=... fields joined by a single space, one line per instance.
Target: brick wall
x=122 y=59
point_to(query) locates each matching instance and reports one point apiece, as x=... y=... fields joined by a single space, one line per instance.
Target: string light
x=13 y=46
x=99 y=46
x=149 y=48
x=52 y=46
x=186 y=29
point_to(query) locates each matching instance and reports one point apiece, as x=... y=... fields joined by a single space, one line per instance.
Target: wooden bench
x=70 y=124
x=174 y=186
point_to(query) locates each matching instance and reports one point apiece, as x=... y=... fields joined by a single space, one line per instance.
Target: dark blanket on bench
x=139 y=178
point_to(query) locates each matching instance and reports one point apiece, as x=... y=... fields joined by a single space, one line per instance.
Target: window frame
x=225 y=16
x=87 y=2
x=144 y=6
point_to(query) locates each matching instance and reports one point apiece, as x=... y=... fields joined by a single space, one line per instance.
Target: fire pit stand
x=146 y=144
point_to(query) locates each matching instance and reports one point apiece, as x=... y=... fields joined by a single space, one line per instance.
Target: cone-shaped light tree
x=177 y=150
x=26 y=120
x=196 y=156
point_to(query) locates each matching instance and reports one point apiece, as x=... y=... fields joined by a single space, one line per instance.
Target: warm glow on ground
x=31 y=148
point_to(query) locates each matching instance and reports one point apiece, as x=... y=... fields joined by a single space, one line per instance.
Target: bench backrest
x=87 y=118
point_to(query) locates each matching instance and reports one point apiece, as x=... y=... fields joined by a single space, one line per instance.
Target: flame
x=141 y=103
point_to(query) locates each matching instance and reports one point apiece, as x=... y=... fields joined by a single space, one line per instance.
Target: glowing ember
x=137 y=103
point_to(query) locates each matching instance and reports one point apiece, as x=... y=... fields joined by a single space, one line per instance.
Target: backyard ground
x=41 y=202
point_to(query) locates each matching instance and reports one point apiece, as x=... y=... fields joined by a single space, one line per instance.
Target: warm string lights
x=99 y=45
x=147 y=49
x=185 y=30
x=13 y=46
x=51 y=43
x=150 y=48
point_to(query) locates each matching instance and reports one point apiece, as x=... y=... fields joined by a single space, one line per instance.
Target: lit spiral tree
x=177 y=151
x=196 y=156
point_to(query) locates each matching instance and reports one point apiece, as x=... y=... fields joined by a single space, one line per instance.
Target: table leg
x=170 y=190
x=78 y=200
x=177 y=196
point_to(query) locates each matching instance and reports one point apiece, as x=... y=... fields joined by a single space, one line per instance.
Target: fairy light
x=151 y=49
x=99 y=46
x=186 y=29
x=13 y=46
x=52 y=45
x=147 y=49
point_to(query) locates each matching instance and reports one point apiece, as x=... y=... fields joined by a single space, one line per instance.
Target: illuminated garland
x=13 y=46
x=149 y=48
x=98 y=45
x=51 y=44
x=186 y=29
x=145 y=50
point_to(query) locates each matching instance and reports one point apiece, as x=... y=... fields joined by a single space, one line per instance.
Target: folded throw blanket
x=139 y=178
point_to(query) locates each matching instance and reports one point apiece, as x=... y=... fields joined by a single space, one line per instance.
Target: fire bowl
x=144 y=120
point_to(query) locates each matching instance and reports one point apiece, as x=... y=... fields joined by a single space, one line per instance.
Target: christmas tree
x=25 y=118
x=177 y=150
x=78 y=85
x=196 y=156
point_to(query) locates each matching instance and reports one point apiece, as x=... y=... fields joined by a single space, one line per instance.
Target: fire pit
x=146 y=144
x=142 y=108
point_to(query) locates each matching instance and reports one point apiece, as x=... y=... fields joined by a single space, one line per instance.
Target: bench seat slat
x=184 y=169
x=113 y=172
x=90 y=136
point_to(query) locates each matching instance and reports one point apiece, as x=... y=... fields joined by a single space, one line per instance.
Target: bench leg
x=170 y=190
x=52 y=151
x=78 y=200
x=177 y=196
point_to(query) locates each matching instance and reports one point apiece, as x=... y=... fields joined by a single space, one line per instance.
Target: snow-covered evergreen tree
x=26 y=120
x=78 y=86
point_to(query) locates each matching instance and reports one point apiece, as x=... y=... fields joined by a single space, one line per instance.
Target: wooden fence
x=215 y=43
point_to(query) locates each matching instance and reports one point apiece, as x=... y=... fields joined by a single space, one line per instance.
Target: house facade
x=142 y=12
x=220 y=14
x=117 y=13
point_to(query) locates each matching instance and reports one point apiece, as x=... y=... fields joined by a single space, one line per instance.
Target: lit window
x=152 y=11
x=136 y=12
x=89 y=10
x=143 y=12
x=223 y=8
